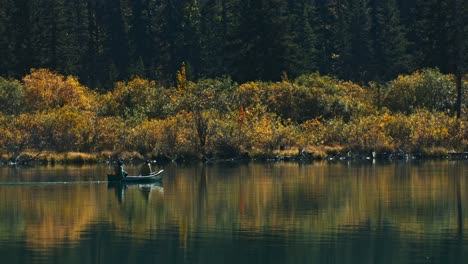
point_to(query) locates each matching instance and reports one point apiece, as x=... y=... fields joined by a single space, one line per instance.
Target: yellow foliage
x=430 y=129
x=248 y=94
x=313 y=132
x=45 y=90
x=219 y=116
x=181 y=78
x=111 y=134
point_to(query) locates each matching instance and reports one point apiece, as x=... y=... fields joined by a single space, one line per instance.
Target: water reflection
x=262 y=213
x=146 y=189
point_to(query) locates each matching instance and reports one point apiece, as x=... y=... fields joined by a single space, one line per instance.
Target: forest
x=232 y=79
x=102 y=42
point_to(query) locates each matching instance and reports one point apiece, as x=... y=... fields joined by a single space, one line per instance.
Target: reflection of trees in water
x=456 y=171
x=280 y=197
x=318 y=198
x=50 y=215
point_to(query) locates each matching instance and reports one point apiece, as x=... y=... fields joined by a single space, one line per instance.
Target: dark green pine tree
x=342 y=36
x=390 y=44
x=73 y=38
x=327 y=57
x=231 y=21
x=46 y=20
x=139 y=37
x=263 y=40
x=147 y=39
x=212 y=39
x=191 y=35
x=245 y=42
x=109 y=41
x=22 y=47
x=278 y=42
x=92 y=57
x=351 y=55
x=406 y=9
x=168 y=38
x=303 y=49
x=7 y=39
x=433 y=34
x=358 y=60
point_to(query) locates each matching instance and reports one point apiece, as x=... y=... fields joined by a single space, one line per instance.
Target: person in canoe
x=119 y=169
x=145 y=169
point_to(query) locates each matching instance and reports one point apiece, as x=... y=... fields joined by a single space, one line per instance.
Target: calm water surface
x=401 y=212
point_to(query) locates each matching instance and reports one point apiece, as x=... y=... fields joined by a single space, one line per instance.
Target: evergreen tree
x=7 y=41
x=105 y=41
x=433 y=34
x=245 y=41
x=303 y=49
x=21 y=27
x=389 y=41
x=139 y=37
x=326 y=39
x=191 y=34
x=213 y=39
x=168 y=20
x=73 y=37
x=46 y=20
x=341 y=36
x=263 y=40
x=358 y=60
x=110 y=41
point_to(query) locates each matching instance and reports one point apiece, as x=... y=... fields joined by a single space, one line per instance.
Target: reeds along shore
x=53 y=117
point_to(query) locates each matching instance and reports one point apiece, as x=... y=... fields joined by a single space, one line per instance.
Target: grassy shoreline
x=307 y=154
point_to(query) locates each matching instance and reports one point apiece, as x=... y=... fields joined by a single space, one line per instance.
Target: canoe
x=155 y=176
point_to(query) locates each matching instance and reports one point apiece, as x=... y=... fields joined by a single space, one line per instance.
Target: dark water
x=402 y=212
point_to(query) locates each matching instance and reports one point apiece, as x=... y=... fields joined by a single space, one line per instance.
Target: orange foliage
x=217 y=116
x=45 y=90
x=181 y=78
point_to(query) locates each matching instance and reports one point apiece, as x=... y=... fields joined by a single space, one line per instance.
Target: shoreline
x=78 y=158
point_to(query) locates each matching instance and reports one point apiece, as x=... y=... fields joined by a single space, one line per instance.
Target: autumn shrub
x=435 y=130
x=458 y=134
x=64 y=129
x=226 y=138
x=330 y=98
x=146 y=136
x=15 y=134
x=206 y=94
x=399 y=128
x=44 y=90
x=391 y=133
x=111 y=133
x=250 y=94
x=336 y=132
x=369 y=133
x=138 y=99
x=11 y=96
x=429 y=89
x=359 y=100
x=164 y=137
x=312 y=133
x=324 y=82
x=295 y=102
x=267 y=130
x=218 y=118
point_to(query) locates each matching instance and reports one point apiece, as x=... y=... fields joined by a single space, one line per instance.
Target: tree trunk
x=460 y=51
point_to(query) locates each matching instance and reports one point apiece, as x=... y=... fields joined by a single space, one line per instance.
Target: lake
x=278 y=212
